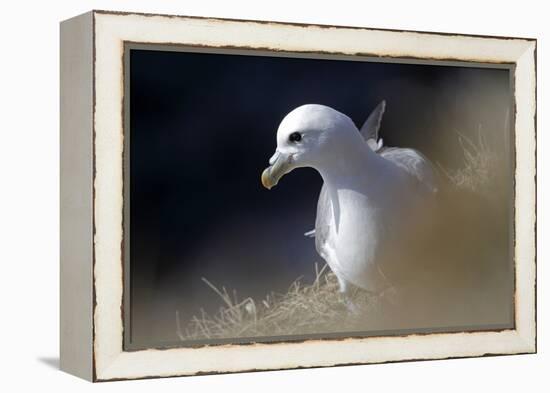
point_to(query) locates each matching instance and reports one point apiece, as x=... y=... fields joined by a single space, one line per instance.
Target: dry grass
x=304 y=309
x=480 y=169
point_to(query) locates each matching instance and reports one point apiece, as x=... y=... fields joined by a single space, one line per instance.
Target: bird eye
x=295 y=137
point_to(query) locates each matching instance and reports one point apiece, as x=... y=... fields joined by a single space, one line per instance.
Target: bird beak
x=280 y=165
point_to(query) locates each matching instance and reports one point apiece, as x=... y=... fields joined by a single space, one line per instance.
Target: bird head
x=309 y=136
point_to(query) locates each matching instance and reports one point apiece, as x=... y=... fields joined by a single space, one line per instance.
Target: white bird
x=373 y=198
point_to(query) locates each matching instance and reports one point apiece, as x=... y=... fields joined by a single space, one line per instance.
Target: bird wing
x=370 y=128
x=322 y=223
x=414 y=163
x=322 y=232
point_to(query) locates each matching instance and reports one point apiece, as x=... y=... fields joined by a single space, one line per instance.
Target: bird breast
x=357 y=232
x=365 y=231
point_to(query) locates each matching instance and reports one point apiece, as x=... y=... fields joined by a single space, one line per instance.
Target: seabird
x=372 y=199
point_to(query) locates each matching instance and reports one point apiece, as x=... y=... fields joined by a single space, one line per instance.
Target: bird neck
x=356 y=167
x=358 y=163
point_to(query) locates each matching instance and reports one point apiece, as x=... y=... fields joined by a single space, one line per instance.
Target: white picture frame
x=92 y=193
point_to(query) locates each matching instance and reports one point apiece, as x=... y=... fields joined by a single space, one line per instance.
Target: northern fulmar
x=372 y=196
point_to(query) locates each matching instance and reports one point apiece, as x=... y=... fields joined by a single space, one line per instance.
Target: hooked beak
x=280 y=165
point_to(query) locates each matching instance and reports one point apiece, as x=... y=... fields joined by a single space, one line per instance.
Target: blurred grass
x=481 y=172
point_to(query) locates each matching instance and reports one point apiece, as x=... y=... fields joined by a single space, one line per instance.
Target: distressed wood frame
x=92 y=193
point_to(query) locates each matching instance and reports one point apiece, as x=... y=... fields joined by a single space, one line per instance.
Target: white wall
x=29 y=193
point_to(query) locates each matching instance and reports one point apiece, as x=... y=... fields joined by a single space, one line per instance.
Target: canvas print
x=280 y=197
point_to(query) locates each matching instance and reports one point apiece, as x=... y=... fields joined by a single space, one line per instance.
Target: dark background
x=202 y=127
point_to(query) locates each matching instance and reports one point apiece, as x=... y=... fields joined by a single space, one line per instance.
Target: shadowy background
x=202 y=128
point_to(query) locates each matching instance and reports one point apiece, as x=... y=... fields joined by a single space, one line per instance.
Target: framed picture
x=245 y=195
